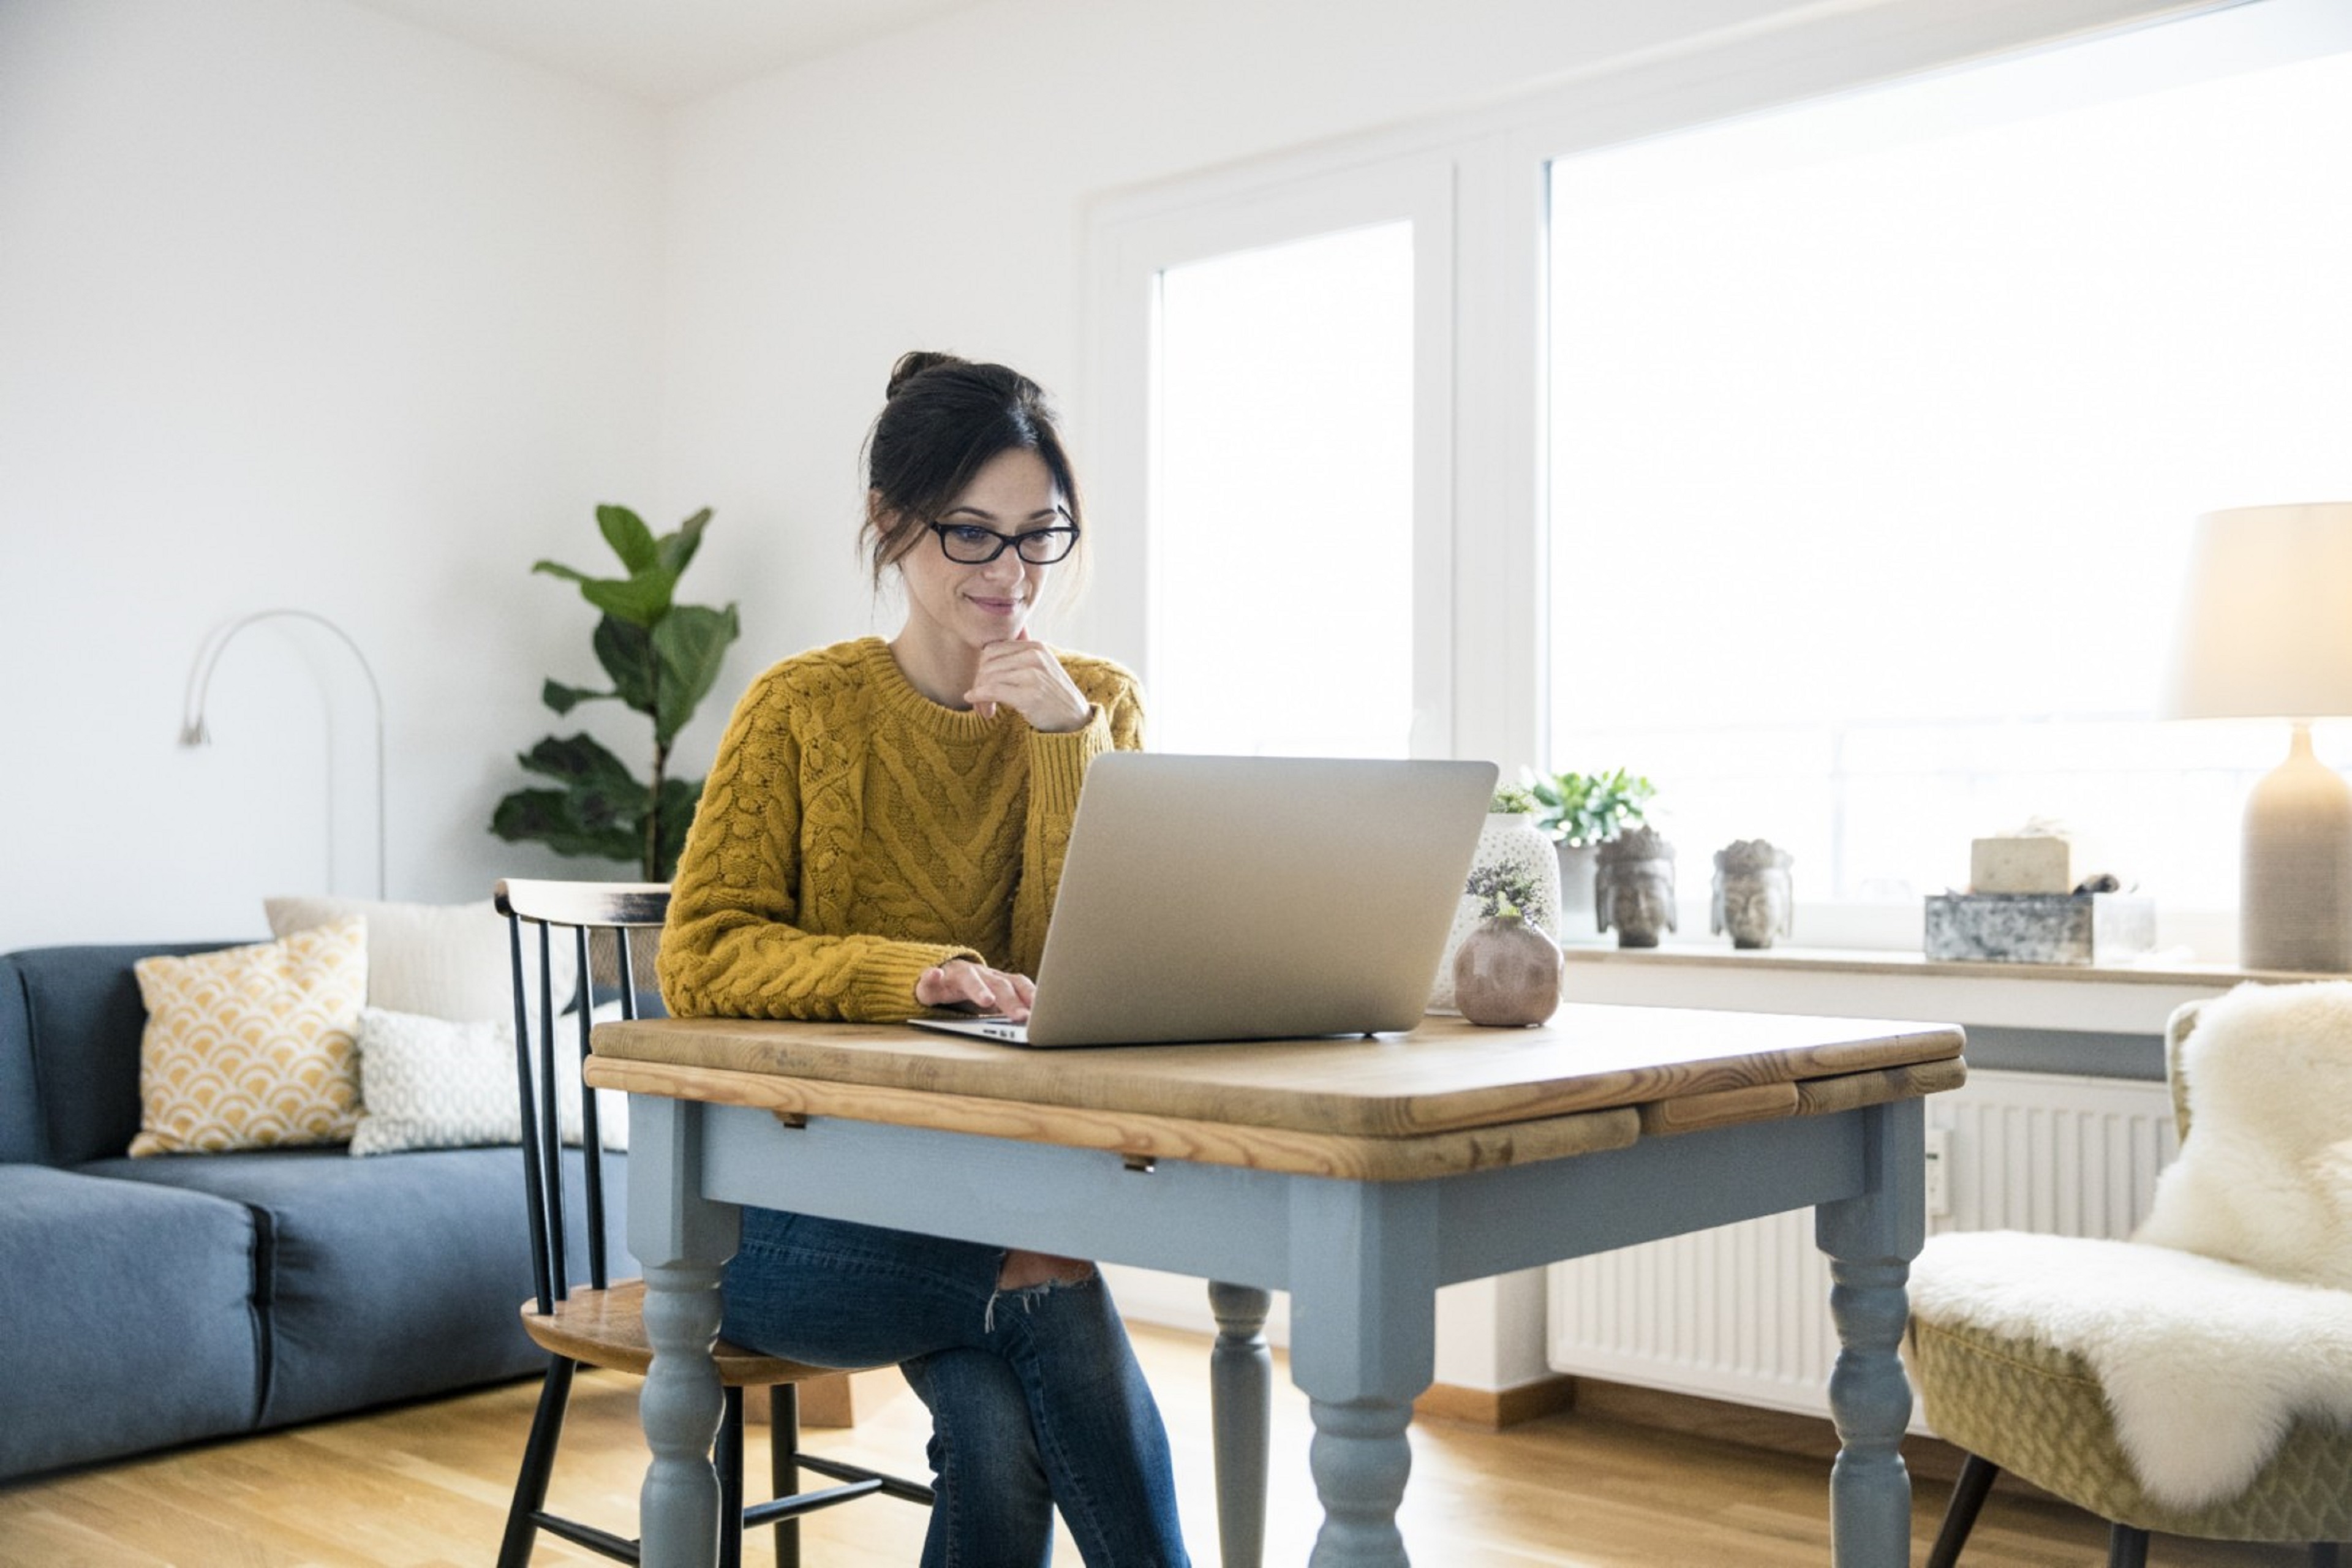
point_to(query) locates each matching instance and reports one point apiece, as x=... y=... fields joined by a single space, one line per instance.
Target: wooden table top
x=1447 y=1097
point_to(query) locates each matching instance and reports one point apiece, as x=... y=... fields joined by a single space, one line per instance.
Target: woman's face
x=975 y=605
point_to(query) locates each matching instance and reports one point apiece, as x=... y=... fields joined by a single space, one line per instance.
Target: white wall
x=297 y=306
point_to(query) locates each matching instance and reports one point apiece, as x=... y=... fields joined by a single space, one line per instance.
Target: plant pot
x=1507 y=973
x=1511 y=844
x=1580 y=865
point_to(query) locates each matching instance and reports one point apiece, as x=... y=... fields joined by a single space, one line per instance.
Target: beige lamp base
x=2295 y=885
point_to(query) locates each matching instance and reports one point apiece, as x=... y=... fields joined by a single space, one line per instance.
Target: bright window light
x=1878 y=429
x=1281 y=500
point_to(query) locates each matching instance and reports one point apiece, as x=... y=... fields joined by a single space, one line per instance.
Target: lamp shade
x=2265 y=629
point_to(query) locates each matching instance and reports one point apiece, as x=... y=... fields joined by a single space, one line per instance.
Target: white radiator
x=1742 y=1313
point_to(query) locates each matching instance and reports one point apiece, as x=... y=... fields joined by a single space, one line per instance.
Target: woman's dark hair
x=944 y=419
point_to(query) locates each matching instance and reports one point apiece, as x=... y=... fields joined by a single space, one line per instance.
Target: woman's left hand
x=1024 y=675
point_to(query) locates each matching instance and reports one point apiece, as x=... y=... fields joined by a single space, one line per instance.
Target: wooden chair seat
x=607 y=1329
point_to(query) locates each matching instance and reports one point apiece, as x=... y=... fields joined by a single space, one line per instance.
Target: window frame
x=1133 y=243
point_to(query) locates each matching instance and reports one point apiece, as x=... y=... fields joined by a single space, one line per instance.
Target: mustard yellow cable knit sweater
x=852 y=834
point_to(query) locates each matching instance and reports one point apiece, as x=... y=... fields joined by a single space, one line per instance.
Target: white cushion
x=430 y=1083
x=438 y=960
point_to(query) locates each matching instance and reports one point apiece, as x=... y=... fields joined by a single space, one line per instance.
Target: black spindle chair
x=581 y=1317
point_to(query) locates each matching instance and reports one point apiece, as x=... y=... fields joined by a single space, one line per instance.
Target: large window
x=1877 y=428
x=1813 y=420
x=1273 y=381
x=1281 y=515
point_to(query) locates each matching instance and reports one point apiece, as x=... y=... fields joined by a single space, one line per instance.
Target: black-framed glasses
x=969 y=545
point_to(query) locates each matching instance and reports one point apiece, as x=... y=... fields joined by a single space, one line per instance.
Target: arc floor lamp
x=194 y=732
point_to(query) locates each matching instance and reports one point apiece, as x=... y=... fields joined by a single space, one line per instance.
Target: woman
x=882 y=833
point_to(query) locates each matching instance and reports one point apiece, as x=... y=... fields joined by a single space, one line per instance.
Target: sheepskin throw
x=2265 y=1176
x=2229 y=1314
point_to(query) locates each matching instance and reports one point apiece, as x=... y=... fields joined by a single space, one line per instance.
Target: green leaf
x=557 y=569
x=580 y=761
x=548 y=816
x=678 y=549
x=640 y=601
x=626 y=652
x=631 y=540
x=689 y=643
x=565 y=698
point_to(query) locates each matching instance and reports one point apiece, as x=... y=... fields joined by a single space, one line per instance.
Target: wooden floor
x=426 y=1486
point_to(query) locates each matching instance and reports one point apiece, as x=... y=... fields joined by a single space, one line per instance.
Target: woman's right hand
x=960 y=983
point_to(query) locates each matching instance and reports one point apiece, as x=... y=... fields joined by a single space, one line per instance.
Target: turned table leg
x=1241 y=1392
x=1870 y=1240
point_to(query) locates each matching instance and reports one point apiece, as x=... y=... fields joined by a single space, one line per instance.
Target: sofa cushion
x=439 y=961
x=70 y=1040
x=22 y=1136
x=427 y=1083
x=384 y=1279
x=127 y=1319
x=253 y=1046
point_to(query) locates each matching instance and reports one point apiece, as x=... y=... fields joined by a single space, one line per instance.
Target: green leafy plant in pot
x=1581 y=812
x=662 y=657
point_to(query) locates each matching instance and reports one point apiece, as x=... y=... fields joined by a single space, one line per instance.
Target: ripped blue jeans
x=1035 y=1398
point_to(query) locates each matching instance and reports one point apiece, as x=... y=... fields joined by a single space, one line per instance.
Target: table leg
x=1363 y=1346
x=1241 y=1393
x=682 y=1240
x=1870 y=1240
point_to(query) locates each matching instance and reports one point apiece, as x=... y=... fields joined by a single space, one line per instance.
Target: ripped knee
x=1025 y=1271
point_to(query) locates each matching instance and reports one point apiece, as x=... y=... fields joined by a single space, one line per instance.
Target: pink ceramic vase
x=1507 y=973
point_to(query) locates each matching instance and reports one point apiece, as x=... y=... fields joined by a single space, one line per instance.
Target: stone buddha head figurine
x=1754 y=898
x=1634 y=888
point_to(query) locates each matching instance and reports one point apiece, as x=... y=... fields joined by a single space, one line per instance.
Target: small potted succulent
x=1506 y=972
x=1581 y=812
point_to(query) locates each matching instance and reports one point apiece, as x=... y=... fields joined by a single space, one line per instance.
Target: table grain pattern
x=1444 y=1097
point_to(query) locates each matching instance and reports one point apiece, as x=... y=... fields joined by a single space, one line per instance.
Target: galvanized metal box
x=2039 y=928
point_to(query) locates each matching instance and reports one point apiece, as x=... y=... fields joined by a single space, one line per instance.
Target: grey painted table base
x=1362 y=1260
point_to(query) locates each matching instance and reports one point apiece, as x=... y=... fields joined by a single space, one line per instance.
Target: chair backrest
x=2177 y=1030
x=584 y=913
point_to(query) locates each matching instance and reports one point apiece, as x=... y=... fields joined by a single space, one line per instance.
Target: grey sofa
x=150 y=1302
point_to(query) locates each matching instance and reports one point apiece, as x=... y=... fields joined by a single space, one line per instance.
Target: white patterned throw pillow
x=429 y=1083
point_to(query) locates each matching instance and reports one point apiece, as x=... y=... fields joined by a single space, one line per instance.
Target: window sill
x=2124 y=999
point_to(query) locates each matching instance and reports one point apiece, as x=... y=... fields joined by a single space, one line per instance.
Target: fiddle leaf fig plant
x=662 y=658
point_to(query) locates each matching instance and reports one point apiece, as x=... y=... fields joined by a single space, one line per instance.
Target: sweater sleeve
x=733 y=946
x=1057 y=768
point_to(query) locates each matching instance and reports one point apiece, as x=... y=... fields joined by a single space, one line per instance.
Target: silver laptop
x=1250 y=899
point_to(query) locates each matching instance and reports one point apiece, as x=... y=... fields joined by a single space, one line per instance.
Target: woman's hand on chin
x=960 y=983
x=1022 y=674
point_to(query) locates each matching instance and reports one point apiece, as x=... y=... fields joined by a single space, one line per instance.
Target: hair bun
x=911 y=366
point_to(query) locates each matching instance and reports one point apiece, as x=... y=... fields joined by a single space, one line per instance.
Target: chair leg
x=1960 y=1514
x=2126 y=1547
x=538 y=1464
x=728 y=1460
x=784 y=1470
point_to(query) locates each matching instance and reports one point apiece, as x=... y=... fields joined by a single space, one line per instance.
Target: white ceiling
x=667 y=51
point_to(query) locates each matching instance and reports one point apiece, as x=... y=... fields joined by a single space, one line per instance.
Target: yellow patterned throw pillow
x=252 y=1046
